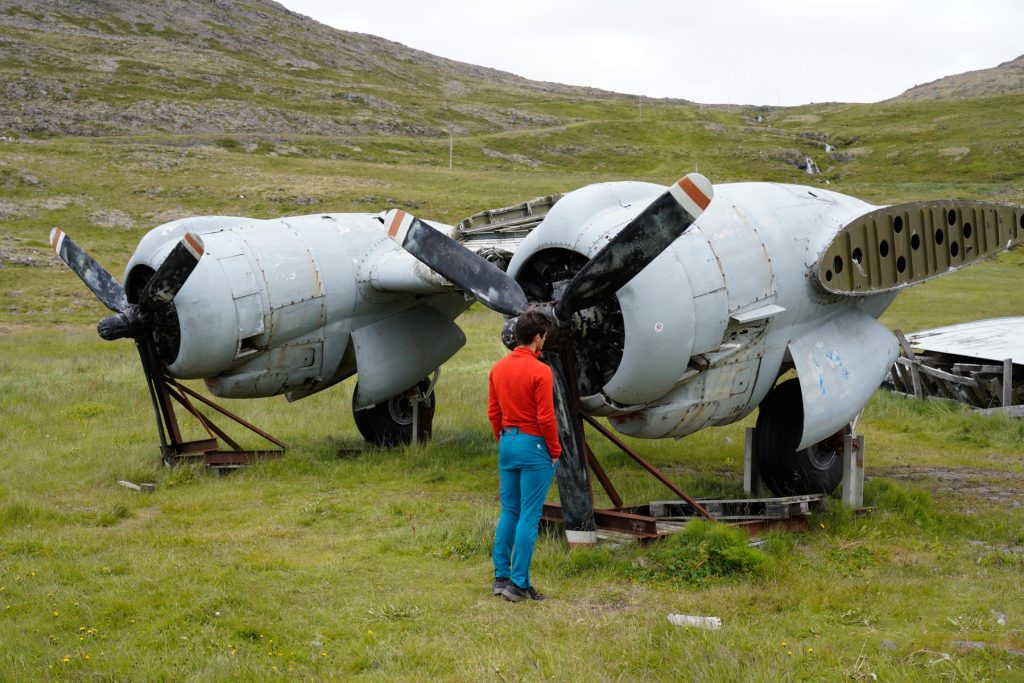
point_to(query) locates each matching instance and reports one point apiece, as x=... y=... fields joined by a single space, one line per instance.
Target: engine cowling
x=623 y=345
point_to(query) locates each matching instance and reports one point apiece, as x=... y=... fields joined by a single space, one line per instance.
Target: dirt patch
x=28 y=256
x=168 y=215
x=957 y=153
x=112 y=218
x=520 y=159
x=9 y=209
x=611 y=602
x=967 y=486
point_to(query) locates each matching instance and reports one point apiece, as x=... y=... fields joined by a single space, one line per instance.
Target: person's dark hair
x=531 y=323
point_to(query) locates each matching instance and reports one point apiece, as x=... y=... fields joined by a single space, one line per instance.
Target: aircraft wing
x=495 y=234
x=905 y=244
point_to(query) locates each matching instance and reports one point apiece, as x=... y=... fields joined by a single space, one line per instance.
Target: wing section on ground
x=995 y=339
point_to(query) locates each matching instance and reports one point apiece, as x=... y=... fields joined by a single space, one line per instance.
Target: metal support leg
x=422 y=420
x=416 y=420
x=752 y=484
x=853 y=471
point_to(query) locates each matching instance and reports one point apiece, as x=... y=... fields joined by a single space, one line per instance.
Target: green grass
x=323 y=566
x=316 y=566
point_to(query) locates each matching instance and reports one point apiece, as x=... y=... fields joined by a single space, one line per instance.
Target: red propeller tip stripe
x=396 y=222
x=194 y=244
x=694 y=193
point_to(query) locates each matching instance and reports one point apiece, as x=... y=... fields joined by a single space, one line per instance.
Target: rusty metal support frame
x=642 y=527
x=620 y=519
x=654 y=471
x=164 y=391
x=754 y=516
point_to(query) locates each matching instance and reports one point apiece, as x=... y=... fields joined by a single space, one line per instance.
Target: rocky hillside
x=100 y=67
x=1008 y=77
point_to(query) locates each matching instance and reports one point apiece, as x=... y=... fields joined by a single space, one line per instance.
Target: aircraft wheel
x=389 y=423
x=785 y=470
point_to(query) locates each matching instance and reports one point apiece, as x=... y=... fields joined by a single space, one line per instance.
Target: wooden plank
x=914 y=363
x=1009 y=411
x=972 y=368
x=979 y=397
x=1007 y=382
x=901 y=376
x=948 y=376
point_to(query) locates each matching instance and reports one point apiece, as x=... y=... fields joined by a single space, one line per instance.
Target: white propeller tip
x=693 y=192
x=397 y=224
x=56 y=237
x=194 y=244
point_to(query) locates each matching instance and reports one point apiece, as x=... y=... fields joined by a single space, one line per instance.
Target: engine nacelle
x=699 y=336
x=272 y=305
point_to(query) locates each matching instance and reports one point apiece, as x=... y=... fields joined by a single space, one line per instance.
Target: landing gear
x=785 y=470
x=390 y=422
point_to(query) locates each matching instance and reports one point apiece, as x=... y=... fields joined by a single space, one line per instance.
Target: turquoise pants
x=526 y=471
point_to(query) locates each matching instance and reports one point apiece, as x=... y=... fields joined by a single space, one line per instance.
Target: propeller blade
x=487 y=283
x=636 y=245
x=108 y=290
x=173 y=272
x=574 y=492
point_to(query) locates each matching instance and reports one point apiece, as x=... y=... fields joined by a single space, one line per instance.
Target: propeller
x=618 y=262
x=472 y=273
x=131 y=320
x=152 y=322
x=627 y=253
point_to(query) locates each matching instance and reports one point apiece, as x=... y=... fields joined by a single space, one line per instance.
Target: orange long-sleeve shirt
x=521 y=394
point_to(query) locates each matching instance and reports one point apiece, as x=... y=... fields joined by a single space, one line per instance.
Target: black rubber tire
x=389 y=423
x=783 y=469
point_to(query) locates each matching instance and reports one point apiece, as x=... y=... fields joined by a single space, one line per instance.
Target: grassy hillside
x=321 y=566
x=97 y=68
x=1008 y=77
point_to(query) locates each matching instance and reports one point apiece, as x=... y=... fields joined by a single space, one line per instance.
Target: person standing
x=521 y=408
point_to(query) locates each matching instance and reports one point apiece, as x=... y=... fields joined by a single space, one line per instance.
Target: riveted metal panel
x=240 y=274
x=703 y=271
x=298 y=321
x=250 y=316
x=271 y=373
x=287 y=268
x=395 y=353
x=742 y=256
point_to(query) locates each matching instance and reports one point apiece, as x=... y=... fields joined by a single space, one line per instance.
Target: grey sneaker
x=500 y=584
x=515 y=593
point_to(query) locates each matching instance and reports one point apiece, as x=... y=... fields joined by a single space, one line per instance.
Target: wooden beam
x=915 y=373
x=1007 y=382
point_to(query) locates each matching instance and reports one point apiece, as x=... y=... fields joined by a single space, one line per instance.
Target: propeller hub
x=508 y=333
x=120 y=325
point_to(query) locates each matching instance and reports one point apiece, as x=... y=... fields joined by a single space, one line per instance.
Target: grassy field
x=318 y=566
